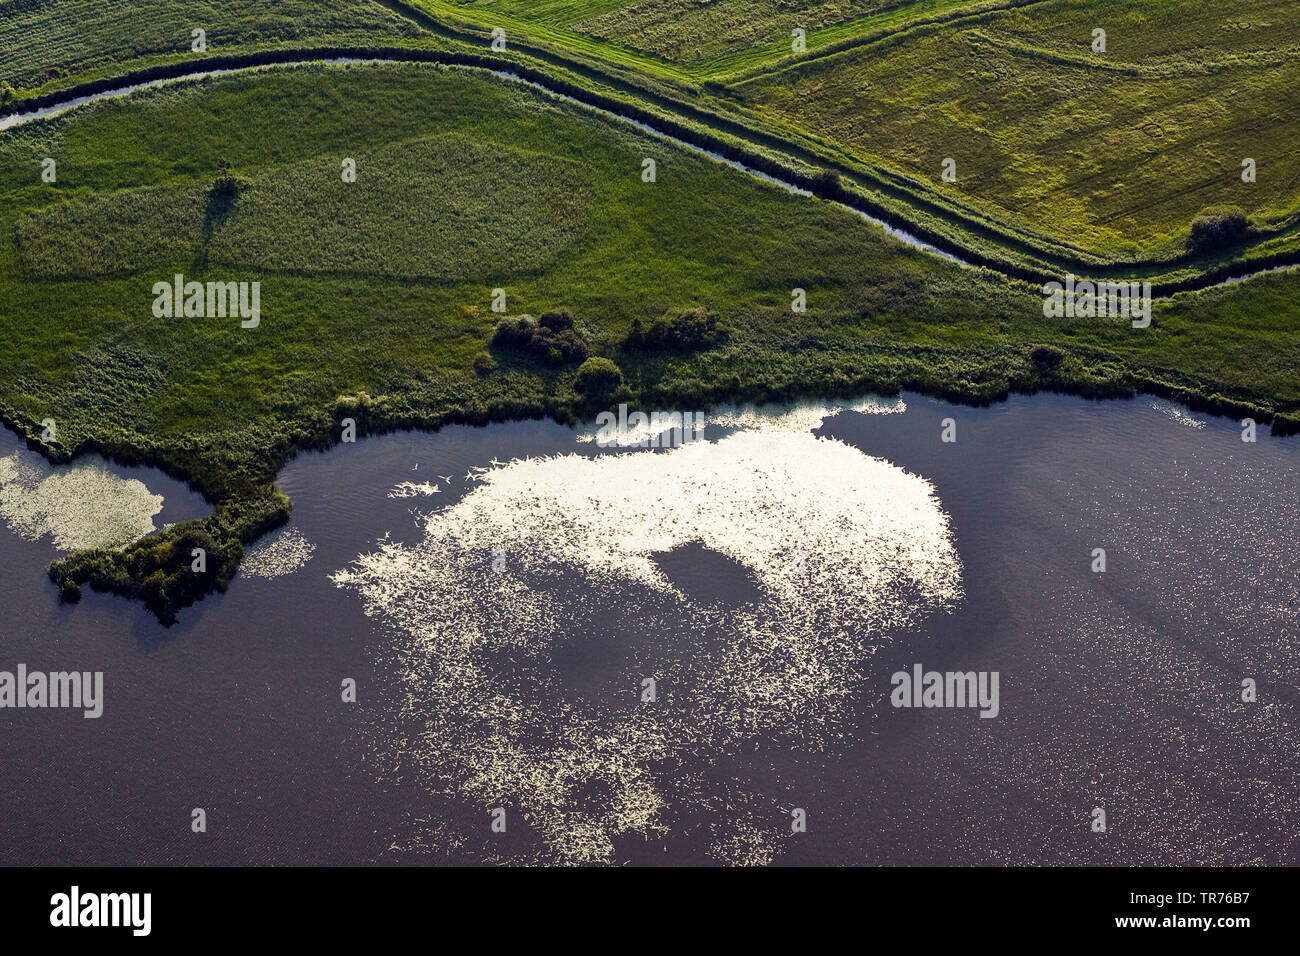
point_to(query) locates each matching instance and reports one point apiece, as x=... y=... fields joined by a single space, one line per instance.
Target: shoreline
x=265 y=508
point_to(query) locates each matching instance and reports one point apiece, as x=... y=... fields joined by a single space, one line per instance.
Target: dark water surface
x=1118 y=690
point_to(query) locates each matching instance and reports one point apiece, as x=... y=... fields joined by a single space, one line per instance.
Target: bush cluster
x=1217 y=228
x=1045 y=357
x=159 y=569
x=693 y=329
x=597 y=378
x=551 y=338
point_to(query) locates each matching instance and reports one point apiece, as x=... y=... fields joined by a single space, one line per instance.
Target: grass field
x=1117 y=151
x=701 y=40
x=42 y=40
x=1158 y=125
x=418 y=210
x=684 y=31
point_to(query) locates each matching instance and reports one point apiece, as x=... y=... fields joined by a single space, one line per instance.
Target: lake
x=685 y=655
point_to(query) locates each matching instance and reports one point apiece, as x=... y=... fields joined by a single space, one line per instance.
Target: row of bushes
x=693 y=329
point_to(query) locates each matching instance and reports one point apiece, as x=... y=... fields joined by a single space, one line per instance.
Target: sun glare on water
x=548 y=555
x=81 y=505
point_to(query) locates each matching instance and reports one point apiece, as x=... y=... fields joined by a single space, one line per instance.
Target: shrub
x=694 y=328
x=225 y=186
x=597 y=378
x=1217 y=227
x=556 y=322
x=484 y=364
x=552 y=337
x=826 y=183
x=70 y=591
x=1045 y=357
x=353 y=406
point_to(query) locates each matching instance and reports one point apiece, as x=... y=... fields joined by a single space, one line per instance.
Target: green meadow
x=683 y=32
x=1116 y=152
x=1065 y=158
x=42 y=41
x=419 y=211
x=1107 y=157
x=689 y=39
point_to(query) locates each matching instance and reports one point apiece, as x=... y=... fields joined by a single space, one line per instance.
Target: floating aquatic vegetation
x=1177 y=413
x=799 y=416
x=412 y=489
x=81 y=505
x=281 y=552
x=550 y=561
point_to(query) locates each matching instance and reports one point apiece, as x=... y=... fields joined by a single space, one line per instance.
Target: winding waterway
x=770 y=579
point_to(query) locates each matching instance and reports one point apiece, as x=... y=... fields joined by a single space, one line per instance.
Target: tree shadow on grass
x=221 y=201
